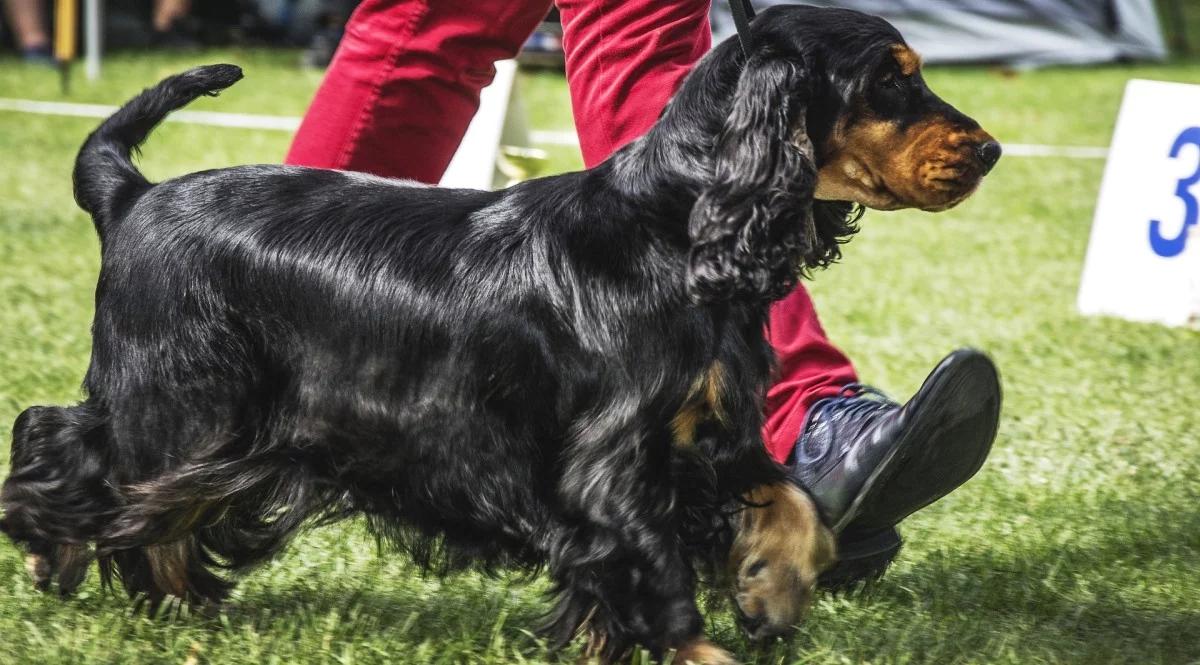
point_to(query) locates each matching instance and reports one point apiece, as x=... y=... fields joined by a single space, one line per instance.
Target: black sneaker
x=869 y=462
x=863 y=557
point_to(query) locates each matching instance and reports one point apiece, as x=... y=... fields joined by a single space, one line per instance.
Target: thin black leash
x=743 y=13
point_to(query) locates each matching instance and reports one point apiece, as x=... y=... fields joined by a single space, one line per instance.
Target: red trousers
x=405 y=81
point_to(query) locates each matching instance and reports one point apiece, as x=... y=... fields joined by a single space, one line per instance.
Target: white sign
x=1143 y=261
x=495 y=151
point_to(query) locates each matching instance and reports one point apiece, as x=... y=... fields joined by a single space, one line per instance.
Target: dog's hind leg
x=65 y=564
x=164 y=556
x=154 y=573
x=152 y=546
x=180 y=527
x=58 y=495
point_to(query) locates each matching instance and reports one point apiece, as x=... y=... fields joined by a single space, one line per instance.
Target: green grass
x=1078 y=542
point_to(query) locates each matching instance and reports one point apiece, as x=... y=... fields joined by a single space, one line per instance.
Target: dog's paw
x=65 y=564
x=702 y=652
x=40 y=570
x=781 y=548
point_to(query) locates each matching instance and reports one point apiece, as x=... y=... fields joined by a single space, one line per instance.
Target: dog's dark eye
x=756 y=567
x=890 y=94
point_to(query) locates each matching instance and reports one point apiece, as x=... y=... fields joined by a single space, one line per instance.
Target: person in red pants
x=396 y=101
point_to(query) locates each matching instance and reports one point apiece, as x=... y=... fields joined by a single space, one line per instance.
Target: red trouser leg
x=810 y=368
x=625 y=58
x=405 y=82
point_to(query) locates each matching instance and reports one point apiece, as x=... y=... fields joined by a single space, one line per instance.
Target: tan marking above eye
x=907 y=58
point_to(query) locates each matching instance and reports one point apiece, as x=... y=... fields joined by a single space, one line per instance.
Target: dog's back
x=264 y=317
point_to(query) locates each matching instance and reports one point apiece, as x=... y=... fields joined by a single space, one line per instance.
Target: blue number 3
x=1174 y=246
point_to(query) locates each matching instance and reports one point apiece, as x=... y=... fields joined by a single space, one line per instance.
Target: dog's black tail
x=106 y=179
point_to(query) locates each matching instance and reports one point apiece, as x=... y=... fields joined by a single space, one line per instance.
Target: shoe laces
x=856 y=404
x=861 y=391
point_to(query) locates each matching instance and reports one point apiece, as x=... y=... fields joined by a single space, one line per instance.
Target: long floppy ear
x=752 y=229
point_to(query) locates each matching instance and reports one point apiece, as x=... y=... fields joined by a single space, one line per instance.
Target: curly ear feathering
x=568 y=373
x=752 y=228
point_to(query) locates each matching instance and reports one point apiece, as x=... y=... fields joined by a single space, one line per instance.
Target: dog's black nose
x=989 y=153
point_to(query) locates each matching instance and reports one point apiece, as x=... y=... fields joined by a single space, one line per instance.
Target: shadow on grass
x=1112 y=587
x=467 y=612
x=1070 y=587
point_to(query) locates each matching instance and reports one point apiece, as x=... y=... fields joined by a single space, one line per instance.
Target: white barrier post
x=474 y=164
x=91 y=38
x=1143 y=260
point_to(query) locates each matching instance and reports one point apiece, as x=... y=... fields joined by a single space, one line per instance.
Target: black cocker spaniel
x=568 y=373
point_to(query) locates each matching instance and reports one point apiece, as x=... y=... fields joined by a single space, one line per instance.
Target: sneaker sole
x=952 y=424
x=863 y=561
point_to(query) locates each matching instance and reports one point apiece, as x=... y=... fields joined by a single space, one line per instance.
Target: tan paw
x=66 y=564
x=702 y=652
x=780 y=549
x=39 y=570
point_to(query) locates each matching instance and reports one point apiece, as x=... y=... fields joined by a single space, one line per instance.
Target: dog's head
x=827 y=110
x=780 y=549
x=883 y=139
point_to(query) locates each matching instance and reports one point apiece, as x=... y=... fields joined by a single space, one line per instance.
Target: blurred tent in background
x=1015 y=32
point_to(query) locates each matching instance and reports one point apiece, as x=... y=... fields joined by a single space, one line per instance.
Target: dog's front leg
x=617 y=563
x=780 y=545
